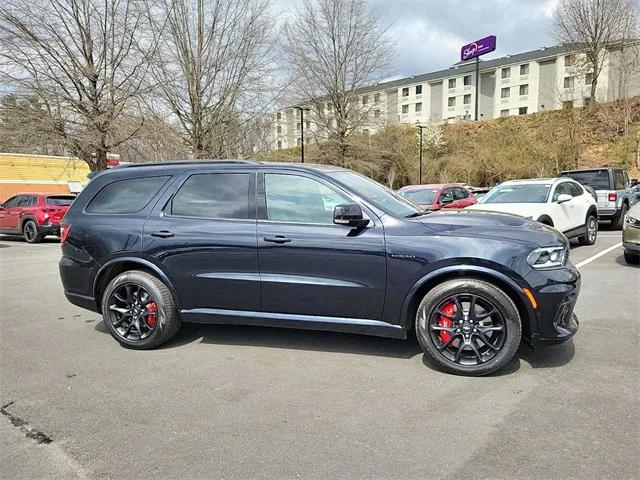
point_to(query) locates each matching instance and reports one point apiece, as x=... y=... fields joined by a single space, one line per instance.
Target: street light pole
x=302 y=110
x=420 y=166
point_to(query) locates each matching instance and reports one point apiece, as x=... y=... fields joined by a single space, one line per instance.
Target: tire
x=618 y=221
x=591 y=235
x=505 y=342
x=631 y=259
x=30 y=232
x=167 y=322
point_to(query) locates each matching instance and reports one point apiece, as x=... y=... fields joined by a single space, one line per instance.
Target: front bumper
x=556 y=292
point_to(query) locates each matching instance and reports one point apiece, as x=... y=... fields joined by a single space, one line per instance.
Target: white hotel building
x=549 y=78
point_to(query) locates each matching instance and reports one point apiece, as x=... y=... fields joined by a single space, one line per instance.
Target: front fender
x=434 y=277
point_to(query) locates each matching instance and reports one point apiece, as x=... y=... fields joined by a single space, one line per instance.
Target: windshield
x=598 y=179
x=531 y=193
x=385 y=199
x=421 y=197
x=60 y=200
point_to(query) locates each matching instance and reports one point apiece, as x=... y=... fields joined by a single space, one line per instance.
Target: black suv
x=314 y=247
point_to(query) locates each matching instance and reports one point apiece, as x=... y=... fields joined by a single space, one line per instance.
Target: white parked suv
x=561 y=203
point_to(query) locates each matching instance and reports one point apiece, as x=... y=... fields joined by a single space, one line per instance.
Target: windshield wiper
x=417 y=214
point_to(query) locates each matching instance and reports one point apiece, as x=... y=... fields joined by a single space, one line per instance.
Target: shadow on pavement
x=18 y=238
x=548 y=357
x=272 y=337
x=621 y=261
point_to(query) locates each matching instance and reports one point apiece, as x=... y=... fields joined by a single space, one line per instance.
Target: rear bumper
x=77 y=280
x=53 y=229
x=607 y=213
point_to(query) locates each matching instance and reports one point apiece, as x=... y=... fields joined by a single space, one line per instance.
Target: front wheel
x=591 y=231
x=139 y=311
x=631 y=259
x=468 y=327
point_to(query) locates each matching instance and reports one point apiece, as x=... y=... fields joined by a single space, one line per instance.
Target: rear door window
x=126 y=196
x=460 y=193
x=25 y=201
x=576 y=190
x=215 y=195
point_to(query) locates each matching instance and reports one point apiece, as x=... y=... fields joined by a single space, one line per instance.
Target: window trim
x=160 y=190
x=261 y=197
x=168 y=205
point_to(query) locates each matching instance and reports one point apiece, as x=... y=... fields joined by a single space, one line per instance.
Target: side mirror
x=446 y=201
x=564 y=197
x=349 y=214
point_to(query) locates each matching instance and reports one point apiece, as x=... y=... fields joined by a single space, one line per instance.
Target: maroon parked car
x=33 y=215
x=437 y=196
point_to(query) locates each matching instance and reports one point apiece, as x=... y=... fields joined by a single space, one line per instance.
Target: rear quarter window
x=126 y=196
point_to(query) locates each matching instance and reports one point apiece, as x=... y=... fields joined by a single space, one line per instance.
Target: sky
x=429 y=33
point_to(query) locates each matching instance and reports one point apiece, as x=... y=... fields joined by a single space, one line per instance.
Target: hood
x=522 y=209
x=476 y=223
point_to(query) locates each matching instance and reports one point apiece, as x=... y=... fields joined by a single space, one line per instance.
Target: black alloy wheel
x=139 y=311
x=133 y=312
x=467 y=329
x=468 y=326
x=30 y=232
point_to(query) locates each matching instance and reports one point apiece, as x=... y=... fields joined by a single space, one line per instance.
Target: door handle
x=277 y=239
x=162 y=234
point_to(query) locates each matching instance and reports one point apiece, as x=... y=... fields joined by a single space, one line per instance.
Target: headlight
x=548 y=257
x=633 y=221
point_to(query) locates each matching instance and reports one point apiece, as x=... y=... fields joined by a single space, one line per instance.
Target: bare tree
x=335 y=48
x=594 y=26
x=83 y=61
x=215 y=61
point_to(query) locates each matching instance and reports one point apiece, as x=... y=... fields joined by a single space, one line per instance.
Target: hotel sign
x=477 y=48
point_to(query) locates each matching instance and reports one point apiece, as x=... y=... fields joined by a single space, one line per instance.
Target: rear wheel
x=468 y=327
x=591 y=233
x=30 y=232
x=631 y=259
x=139 y=310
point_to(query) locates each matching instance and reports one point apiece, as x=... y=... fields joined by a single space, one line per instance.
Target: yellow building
x=40 y=173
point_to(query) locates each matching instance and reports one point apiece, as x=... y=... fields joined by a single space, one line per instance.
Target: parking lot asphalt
x=249 y=402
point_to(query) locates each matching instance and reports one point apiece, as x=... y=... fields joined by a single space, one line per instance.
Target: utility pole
x=302 y=110
x=477 y=85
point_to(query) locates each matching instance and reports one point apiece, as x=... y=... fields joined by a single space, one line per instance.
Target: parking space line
x=598 y=255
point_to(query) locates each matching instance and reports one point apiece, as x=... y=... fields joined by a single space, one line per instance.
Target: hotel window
x=567 y=104
x=419 y=107
x=452 y=101
x=505 y=92
x=522 y=111
x=504 y=113
x=279 y=129
x=467 y=80
x=376 y=97
x=452 y=83
x=376 y=113
x=405 y=108
x=418 y=89
x=524 y=89
x=588 y=79
x=524 y=69
x=298 y=141
x=568 y=82
x=307 y=124
x=405 y=92
x=365 y=99
x=279 y=144
x=569 y=60
x=467 y=99
x=506 y=72
x=328 y=107
x=298 y=126
x=278 y=115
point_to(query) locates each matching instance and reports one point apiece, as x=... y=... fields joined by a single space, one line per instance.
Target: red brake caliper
x=152 y=317
x=449 y=309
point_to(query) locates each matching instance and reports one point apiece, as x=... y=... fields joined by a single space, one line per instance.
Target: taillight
x=65 y=228
x=613 y=197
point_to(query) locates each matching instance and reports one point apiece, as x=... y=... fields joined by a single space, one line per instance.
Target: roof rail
x=186 y=162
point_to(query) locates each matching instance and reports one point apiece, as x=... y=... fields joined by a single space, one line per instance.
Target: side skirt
x=576 y=232
x=288 y=320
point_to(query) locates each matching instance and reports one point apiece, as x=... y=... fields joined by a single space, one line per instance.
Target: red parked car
x=34 y=215
x=437 y=196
